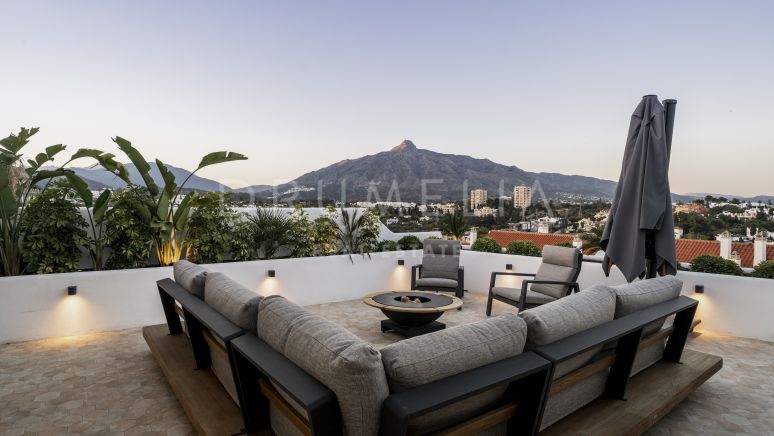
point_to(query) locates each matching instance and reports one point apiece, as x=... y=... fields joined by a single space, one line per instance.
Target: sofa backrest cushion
x=567 y=316
x=190 y=276
x=631 y=297
x=560 y=264
x=433 y=356
x=232 y=300
x=440 y=259
x=347 y=365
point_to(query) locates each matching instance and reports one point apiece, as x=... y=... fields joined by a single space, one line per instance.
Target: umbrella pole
x=670 y=105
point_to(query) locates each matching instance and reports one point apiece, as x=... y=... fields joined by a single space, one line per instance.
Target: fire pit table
x=412 y=313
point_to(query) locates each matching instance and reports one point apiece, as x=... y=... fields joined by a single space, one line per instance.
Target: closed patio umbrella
x=639 y=235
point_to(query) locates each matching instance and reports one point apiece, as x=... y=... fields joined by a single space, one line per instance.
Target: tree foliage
x=523 y=248
x=211 y=228
x=410 y=242
x=126 y=232
x=708 y=263
x=53 y=229
x=486 y=244
x=764 y=270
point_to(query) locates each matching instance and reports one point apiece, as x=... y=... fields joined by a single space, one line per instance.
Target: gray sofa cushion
x=567 y=316
x=437 y=283
x=190 y=276
x=348 y=366
x=559 y=264
x=641 y=294
x=232 y=300
x=427 y=358
x=440 y=259
x=515 y=295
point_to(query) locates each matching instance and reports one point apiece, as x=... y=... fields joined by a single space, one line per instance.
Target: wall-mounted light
x=271 y=273
x=72 y=290
x=699 y=289
x=401 y=262
x=509 y=267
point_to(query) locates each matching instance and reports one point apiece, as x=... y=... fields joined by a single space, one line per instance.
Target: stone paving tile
x=108 y=383
x=100 y=384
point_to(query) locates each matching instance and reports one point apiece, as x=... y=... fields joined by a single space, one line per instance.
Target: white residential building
x=477 y=198
x=522 y=196
x=484 y=211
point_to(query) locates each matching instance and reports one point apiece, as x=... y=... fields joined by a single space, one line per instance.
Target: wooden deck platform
x=652 y=394
x=209 y=408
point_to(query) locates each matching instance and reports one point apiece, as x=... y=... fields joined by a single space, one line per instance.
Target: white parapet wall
x=34 y=307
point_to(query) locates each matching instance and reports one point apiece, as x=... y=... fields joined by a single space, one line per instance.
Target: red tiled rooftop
x=688 y=249
x=505 y=237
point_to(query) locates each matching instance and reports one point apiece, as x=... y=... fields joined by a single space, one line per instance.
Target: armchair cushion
x=190 y=276
x=347 y=365
x=441 y=259
x=567 y=316
x=437 y=283
x=559 y=264
x=514 y=294
x=423 y=359
x=232 y=300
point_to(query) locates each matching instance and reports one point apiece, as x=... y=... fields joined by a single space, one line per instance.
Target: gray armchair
x=556 y=278
x=440 y=270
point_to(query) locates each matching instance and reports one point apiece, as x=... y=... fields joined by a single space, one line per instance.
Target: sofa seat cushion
x=437 y=283
x=440 y=259
x=190 y=276
x=641 y=294
x=567 y=316
x=515 y=295
x=423 y=359
x=347 y=365
x=560 y=264
x=232 y=300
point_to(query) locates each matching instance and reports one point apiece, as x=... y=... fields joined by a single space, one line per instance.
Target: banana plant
x=20 y=180
x=97 y=209
x=167 y=220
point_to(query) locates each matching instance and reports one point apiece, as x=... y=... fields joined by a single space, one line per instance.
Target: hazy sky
x=546 y=86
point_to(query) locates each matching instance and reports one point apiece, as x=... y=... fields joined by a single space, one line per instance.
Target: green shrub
x=764 y=270
x=388 y=246
x=708 y=263
x=210 y=228
x=564 y=244
x=410 y=242
x=523 y=248
x=486 y=244
x=54 y=231
x=126 y=233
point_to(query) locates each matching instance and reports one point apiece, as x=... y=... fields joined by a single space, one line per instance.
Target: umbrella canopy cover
x=640 y=225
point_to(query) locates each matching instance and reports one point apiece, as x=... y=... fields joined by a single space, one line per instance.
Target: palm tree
x=271 y=230
x=454 y=224
x=359 y=233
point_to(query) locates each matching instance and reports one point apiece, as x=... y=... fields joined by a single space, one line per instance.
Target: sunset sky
x=546 y=86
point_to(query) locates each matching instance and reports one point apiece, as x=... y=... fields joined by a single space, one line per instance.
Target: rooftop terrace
x=101 y=378
x=108 y=383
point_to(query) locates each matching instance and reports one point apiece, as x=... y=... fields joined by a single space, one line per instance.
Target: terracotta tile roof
x=688 y=249
x=505 y=237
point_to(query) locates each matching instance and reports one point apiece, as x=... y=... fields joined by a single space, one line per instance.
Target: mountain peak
x=405 y=145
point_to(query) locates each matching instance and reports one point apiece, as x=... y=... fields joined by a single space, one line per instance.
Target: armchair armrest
x=503 y=273
x=254 y=359
x=416 y=270
x=527 y=370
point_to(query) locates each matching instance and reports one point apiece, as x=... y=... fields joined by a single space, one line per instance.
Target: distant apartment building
x=477 y=198
x=444 y=207
x=522 y=196
x=484 y=211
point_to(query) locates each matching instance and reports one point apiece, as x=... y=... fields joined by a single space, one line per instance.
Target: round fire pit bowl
x=412 y=313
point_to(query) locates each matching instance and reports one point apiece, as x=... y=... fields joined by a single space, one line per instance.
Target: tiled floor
x=107 y=383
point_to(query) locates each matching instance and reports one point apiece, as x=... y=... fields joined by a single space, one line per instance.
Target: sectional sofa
x=297 y=373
